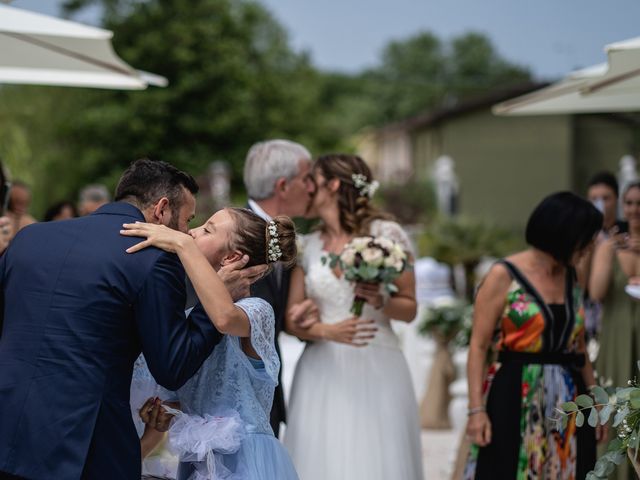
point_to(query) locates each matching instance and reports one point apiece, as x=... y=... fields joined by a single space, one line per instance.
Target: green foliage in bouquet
x=622 y=409
x=448 y=320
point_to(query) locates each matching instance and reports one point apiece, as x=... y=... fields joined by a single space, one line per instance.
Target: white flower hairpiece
x=366 y=188
x=273 y=249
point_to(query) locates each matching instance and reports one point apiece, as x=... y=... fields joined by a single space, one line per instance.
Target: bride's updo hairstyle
x=264 y=242
x=355 y=192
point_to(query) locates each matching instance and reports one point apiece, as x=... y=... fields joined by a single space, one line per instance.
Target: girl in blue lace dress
x=222 y=429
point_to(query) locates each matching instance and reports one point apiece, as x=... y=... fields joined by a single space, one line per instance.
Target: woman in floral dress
x=529 y=309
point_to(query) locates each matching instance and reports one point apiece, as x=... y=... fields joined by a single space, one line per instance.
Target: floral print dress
x=537 y=370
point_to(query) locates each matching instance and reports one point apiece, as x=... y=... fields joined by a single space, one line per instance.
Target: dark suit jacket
x=267 y=289
x=77 y=312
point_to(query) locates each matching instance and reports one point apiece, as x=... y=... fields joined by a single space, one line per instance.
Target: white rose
x=348 y=257
x=397 y=251
x=360 y=243
x=398 y=265
x=384 y=243
x=390 y=261
x=372 y=256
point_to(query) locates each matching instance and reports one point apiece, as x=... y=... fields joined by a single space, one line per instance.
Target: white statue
x=447 y=185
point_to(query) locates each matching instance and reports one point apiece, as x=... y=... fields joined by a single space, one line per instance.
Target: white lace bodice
x=334 y=295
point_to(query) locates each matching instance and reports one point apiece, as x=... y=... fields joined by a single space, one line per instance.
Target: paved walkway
x=439 y=447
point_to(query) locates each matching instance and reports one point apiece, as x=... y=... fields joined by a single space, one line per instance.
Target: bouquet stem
x=357 y=306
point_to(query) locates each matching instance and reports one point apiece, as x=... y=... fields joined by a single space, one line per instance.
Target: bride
x=352 y=413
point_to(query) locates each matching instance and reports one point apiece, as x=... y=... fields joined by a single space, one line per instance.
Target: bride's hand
x=371 y=294
x=352 y=331
x=158 y=236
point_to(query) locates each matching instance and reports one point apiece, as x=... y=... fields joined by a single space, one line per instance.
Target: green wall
x=505 y=164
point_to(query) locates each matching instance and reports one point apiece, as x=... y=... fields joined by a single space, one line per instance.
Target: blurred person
x=529 y=310
x=616 y=263
x=60 y=211
x=236 y=382
x=602 y=191
x=19 y=203
x=91 y=198
x=277 y=180
x=78 y=310
x=353 y=413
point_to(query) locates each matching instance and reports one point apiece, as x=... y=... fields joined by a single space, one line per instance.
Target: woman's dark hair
x=605 y=178
x=563 y=224
x=356 y=210
x=252 y=237
x=147 y=181
x=54 y=210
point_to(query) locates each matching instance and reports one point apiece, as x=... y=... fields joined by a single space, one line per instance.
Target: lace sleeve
x=263 y=325
x=393 y=231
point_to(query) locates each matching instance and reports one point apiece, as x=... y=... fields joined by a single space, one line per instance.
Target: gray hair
x=94 y=193
x=268 y=161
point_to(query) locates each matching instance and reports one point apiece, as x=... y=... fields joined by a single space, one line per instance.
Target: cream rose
x=373 y=256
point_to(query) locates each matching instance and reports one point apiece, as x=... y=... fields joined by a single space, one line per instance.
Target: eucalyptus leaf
x=605 y=413
x=584 y=401
x=620 y=415
x=565 y=421
x=634 y=398
x=600 y=394
x=614 y=445
x=569 y=407
x=579 y=419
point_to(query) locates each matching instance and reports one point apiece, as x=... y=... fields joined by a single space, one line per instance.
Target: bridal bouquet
x=375 y=260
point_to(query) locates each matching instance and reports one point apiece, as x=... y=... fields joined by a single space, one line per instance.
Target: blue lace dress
x=224 y=430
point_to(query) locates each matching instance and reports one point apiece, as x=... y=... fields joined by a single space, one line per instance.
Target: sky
x=551 y=37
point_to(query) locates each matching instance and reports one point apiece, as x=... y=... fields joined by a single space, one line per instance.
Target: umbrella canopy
x=609 y=87
x=42 y=50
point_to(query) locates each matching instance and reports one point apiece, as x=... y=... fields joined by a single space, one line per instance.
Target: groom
x=77 y=311
x=277 y=176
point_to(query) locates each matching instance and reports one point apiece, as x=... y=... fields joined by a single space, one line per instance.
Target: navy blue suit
x=77 y=312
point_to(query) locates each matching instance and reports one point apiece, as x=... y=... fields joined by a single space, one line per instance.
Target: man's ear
x=231 y=257
x=280 y=185
x=161 y=212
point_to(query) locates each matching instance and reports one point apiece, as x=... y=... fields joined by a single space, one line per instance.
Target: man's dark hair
x=563 y=224
x=147 y=181
x=605 y=178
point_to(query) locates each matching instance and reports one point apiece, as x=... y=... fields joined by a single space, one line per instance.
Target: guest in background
x=19 y=203
x=60 y=211
x=602 y=192
x=91 y=198
x=534 y=302
x=616 y=261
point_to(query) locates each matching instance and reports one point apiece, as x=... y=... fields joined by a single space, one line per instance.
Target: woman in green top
x=615 y=261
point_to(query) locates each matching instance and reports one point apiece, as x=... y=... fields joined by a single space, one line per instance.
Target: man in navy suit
x=77 y=312
x=277 y=176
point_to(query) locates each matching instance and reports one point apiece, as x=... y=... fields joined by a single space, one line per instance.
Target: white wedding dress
x=352 y=412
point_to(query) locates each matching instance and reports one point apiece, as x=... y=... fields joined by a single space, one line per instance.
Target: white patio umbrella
x=609 y=87
x=42 y=50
